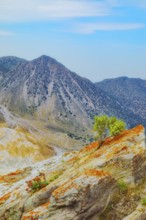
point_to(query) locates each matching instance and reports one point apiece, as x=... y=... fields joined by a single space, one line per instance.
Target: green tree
x=117 y=127
x=101 y=126
x=105 y=126
x=111 y=121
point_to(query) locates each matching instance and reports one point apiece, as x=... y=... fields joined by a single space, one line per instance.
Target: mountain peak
x=45 y=58
x=45 y=85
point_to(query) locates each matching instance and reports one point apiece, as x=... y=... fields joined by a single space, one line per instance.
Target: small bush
x=37 y=183
x=122 y=186
x=143 y=201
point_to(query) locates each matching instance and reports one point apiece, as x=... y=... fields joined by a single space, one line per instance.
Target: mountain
x=93 y=183
x=63 y=104
x=45 y=105
x=8 y=63
x=129 y=92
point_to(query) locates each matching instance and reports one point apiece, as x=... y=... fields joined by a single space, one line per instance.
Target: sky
x=97 y=39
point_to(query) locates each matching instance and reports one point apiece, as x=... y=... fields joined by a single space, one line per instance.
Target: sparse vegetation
x=143 y=201
x=105 y=126
x=122 y=186
x=37 y=183
x=115 y=126
x=40 y=181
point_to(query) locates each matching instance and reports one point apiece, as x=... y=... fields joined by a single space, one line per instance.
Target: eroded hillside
x=93 y=183
x=20 y=148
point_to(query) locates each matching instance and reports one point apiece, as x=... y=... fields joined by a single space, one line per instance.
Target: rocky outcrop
x=78 y=198
x=106 y=183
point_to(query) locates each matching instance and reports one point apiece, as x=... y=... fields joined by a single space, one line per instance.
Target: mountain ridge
x=46 y=91
x=129 y=92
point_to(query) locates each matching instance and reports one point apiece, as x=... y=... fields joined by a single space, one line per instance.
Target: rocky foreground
x=94 y=183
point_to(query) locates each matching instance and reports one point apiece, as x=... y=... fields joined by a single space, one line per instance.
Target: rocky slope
x=8 y=63
x=55 y=100
x=93 y=183
x=130 y=93
x=20 y=148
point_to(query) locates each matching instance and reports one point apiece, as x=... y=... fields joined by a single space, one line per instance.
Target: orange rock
x=118 y=138
x=46 y=204
x=90 y=147
x=4 y=198
x=11 y=177
x=93 y=172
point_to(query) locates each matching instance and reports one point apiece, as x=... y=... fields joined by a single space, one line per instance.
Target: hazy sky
x=97 y=39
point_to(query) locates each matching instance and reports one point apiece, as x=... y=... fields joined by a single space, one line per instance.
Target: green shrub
x=37 y=185
x=40 y=182
x=122 y=186
x=143 y=201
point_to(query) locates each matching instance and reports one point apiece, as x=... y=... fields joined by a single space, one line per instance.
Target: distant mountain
x=8 y=63
x=44 y=90
x=129 y=92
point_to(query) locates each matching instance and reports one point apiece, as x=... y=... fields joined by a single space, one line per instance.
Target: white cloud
x=6 y=33
x=16 y=11
x=90 y=28
x=36 y=10
x=39 y=10
x=74 y=8
x=27 y=10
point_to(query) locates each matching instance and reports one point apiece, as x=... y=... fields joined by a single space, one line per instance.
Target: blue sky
x=97 y=39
